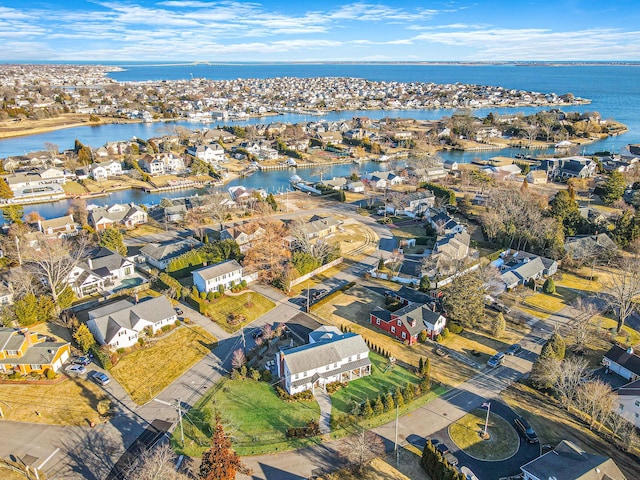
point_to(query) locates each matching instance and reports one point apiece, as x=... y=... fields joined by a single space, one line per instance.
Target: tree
x=157 y=463
x=623 y=287
x=268 y=255
x=218 y=207
x=549 y=287
x=567 y=376
x=425 y=284
x=498 y=326
x=464 y=300
x=111 y=238
x=84 y=337
x=238 y=359
x=361 y=448
x=5 y=190
x=52 y=261
x=596 y=400
x=26 y=310
x=557 y=343
x=613 y=188
x=12 y=213
x=78 y=208
x=220 y=461
x=582 y=328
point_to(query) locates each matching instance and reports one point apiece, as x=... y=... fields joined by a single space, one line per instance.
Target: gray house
x=159 y=255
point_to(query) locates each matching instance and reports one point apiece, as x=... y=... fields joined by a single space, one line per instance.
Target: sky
x=323 y=30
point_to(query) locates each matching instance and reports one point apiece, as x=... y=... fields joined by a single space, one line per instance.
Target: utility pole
x=178 y=407
x=486 y=422
x=18 y=250
x=308 y=295
x=396 y=442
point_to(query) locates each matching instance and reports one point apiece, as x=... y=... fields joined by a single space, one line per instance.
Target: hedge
x=441 y=192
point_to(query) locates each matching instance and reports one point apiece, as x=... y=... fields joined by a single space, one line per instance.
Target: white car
x=76 y=369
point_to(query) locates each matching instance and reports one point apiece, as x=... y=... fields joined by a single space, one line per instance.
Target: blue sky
x=324 y=30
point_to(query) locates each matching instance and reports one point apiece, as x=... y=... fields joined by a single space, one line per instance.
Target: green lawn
x=551 y=303
x=250 y=305
x=378 y=383
x=252 y=413
x=502 y=442
x=146 y=372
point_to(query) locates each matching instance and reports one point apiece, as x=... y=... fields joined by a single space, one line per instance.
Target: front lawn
x=502 y=443
x=256 y=418
x=71 y=402
x=146 y=372
x=378 y=383
x=551 y=303
x=575 y=282
x=246 y=308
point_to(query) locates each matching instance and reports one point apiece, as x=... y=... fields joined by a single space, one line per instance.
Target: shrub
x=333 y=387
x=203 y=295
x=266 y=376
x=221 y=289
x=439 y=338
x=549 y=287
x=445 y=333
x=455 y=328
x=141 y=341
x=255 y=374
x=103 y=359
x=211 y=296
x=216 y=295
x=422 y=336
x=120 y=351
x=50 y=373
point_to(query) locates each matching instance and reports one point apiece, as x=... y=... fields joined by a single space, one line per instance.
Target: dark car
x=442 y=448
x=513 y=349
x=525 y=430
x=496 y=360
x=84 y=361
x=178 y=311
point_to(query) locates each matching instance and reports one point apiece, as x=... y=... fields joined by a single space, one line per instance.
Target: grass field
x=378 y=469
x=256 y=418
x=250 y=305
x=146 y=372
x=378 y=383
x=482 y=343
x=502 y=442
x=548 y=304
x=71 y=402
x=575 y=282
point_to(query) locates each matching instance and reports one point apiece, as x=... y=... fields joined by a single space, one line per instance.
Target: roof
x=415 y=317
x=214 y=271
x=529 y=269
x=325 y=332
x=568 y=462
x=412 y=295
x=631 y=388
x=105 y=258
x=123 y=314
x=113 y=213
x=361 y=362
x=320 y=224
x=41 y=353
x=625 y=358
x=168 y=250
x=589 y=243
x=57 y=222
x=315 y=355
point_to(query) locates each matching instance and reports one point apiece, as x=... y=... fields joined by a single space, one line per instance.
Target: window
x=335 y=365
x=637 y=415
x=12 y=352
x=36 y=367
x=637 y=403
x=377 y=321
x=399 y=322
x=393 y=329
x=404 y=335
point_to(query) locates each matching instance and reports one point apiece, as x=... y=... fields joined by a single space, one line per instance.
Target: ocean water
x=613 y=89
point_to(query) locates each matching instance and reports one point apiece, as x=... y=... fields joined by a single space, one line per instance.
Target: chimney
x=27 y=336
x=433 y=306
x=630 y=351
x=135 y=297
x=281 y=365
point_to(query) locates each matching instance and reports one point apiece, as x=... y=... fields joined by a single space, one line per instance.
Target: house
x=336 y=183
x=60 y=227
x=243 y=235
x=355 y=187
x=175 y=212
x=321 y=227
x=124 y=215
x=536 y=177
x=329 y=356
x=6 y=294
x=442 y=223
x=119 y=324
x=224 y=274
x=407 y=322
x=504 y=172
x=103 y=170
x=212 y=153
x=28 y=352
x=450 y=165
x=629 y=402
x=99 y=270
x=416 y=203
x=29 y=185
x=518 y=267
x=151 y=165
x=569 y=462
x=599 y=245
x=159 y=255
x=382 y=180
x=623 y=361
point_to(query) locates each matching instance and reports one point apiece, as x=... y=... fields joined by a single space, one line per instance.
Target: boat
x=295 y=179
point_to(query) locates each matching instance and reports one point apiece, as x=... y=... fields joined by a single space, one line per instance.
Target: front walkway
x=324 y=401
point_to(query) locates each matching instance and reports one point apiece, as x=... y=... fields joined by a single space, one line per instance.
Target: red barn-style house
x=406 y=323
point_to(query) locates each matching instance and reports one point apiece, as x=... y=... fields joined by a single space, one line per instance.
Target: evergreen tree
x=498 y=326
x=112 y=239
x=84 y=338
x=409 y=391
x=26 y=310
x=558 y=345
x=367 y=411
x=12 y=213
x=221 y=462
x=425 y=284
x=5 y=190
x=421 y=366
x=399 y=399
x=613 y=188
x=378 y=406
x=389 y=404
x=549 y=287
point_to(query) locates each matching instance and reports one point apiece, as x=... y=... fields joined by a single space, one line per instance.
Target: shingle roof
x=568 y=462
x=222 y=268
x=165 y=251
x=316 y=355
x=622 y=357
x=38 y=354
x=631 y=388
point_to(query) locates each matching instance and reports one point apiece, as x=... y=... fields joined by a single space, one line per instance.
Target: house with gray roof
x=124 y=215
x=120 y=324
x=321 y=227
x=332 y=358
x=585 y=246
x=569 y=462
x=159 y=255
x=519 y=267
x=407 y=322
x=623 y=361
x=226 y=274
x=98 y=271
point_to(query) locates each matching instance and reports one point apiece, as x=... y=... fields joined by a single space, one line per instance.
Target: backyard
x=146 y=372
x=232 y=312
x=256 y=417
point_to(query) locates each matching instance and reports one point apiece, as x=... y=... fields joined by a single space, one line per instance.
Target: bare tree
x=52 y=261
x=196 y=220
x=567 y=376
x=78 y=208
x=158 y=463
x=624 y=431
x=596 y=400
x=490 y=278
x=582 y=326
x=268 y=254
x=361 y=448
x=623 y=287
x=238 y=359
x=218 y=207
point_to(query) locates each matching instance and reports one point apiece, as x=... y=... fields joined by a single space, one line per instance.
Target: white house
x=103 y=170
x=126 y=215
x=225 y=274
x=629 y=402
x=99 y=270
x=212 y=153
x=329 y=357
x=119 y=324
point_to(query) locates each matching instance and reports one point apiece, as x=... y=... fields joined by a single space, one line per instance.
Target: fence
x=315 y=272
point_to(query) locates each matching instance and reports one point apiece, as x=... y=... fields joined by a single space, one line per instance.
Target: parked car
x=100 y=378
x=513 y=349
x=496 y=360
x=442 y=448
x=76 y=369
x=523 y=427
x=84 y=361
x=451 y=458
x=178 y=311
x=501 y=307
